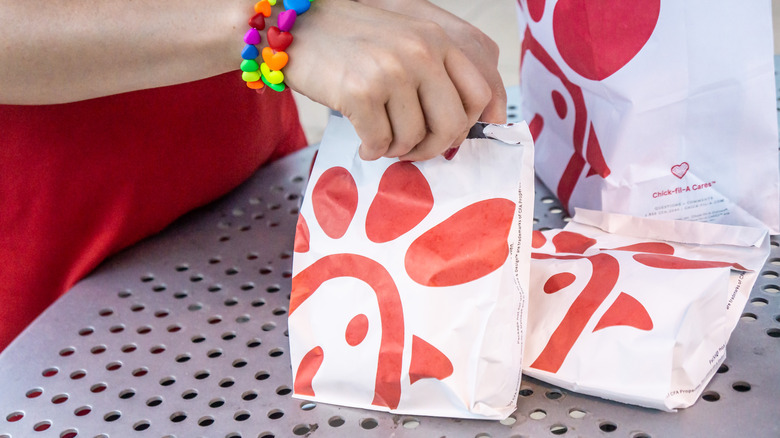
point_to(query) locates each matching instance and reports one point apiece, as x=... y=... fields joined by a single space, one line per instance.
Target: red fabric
x=81 y=181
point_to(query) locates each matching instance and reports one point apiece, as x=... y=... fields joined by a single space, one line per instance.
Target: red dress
x=80 y=181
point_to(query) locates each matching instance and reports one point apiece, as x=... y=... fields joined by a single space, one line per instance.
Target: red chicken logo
x=606 y=269
x=595 y=39
x=468 y=245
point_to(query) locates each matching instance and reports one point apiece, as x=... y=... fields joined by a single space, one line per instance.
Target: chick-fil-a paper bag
x=638 y=310
x=654 y=108
x=409 y=289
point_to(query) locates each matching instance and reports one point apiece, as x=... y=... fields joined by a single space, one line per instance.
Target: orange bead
x=275 y=60
x=263 y=7
x=256 y=85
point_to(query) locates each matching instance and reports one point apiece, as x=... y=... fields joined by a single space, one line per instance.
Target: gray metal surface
x=184 y=335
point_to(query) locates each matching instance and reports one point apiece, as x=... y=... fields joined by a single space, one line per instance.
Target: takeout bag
x=409 y=289
x=654 y=108
x=638 y=310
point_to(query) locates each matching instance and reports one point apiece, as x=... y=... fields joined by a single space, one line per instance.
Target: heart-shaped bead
x=249 y=65
x=250 y=76
x=273 y=76
x=263 y=7
x=257 y=21
x=275 y=60
x=299 y=6
x=255 y=85
x=252 y=36
x=279 y=40
x=275 y=87
x=272 y=2
x=286 y=20
x=250 y=52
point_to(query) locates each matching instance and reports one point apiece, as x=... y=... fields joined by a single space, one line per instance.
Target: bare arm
x=64 y=51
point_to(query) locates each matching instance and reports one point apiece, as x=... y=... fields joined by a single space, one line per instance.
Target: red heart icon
x=279 y=40
x=680 y=170
x=597 y=38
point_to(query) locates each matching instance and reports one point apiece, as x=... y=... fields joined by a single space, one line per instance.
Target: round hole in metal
x=154 y=401
x=741 y=386
x=33 y=393
x=773 y=333
x=183 y=358
x=217 y=402
x=226 y=382
x=577 y=414
x=262 y=375
x=538 y=414
x=13 y=417
x=275 y=414
x=167 y=381
x=126 y=394
x=336 y=421
x=178 y=417
x=59 y=399
x=241 y=415
x=189 y=394
x=710 y=396
x=608 y=426
x=369 y=423
x=140 y=372
x=308 y=405
x=253 y=343
x=202 y=374
x=249 y=395
x=98 y=388
x=68 y=351
x=82 y=411
x=113 y=366
x=112 y=416
x=215 y=353
x=42 y=425
x=239 y=363
x=205 y=421
x=283 y=390
x=526 y=392
x=141 y=425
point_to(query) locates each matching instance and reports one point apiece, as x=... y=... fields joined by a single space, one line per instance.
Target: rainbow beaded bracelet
x=279 y=38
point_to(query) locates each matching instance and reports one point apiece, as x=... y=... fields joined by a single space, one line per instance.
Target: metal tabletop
x=185 y=335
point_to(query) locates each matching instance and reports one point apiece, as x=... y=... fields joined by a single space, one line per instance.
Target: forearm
x=64 y=51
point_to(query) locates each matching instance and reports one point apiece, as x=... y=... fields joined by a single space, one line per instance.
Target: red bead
x=257 y=21
x=279 y=40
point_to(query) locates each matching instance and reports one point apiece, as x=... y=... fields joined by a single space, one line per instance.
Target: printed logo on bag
x=606 y=269
x=434 y=259
x=680 y=170
x=595 y=39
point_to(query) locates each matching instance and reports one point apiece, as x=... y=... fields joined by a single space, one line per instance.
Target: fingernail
x=450 y=153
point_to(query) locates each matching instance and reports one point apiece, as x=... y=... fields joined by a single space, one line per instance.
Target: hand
x=478 y=47
x=409 y=91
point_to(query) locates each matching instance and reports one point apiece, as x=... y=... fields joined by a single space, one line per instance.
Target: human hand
x=409 y=91
x=478 y=47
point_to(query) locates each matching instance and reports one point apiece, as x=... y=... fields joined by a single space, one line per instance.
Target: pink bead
x=286 y=20
x=252 y=36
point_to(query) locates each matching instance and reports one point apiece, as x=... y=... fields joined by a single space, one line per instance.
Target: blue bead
x=299 y=6
x=250 y=52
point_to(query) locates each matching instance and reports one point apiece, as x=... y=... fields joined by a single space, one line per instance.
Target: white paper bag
x=654 y=108
x=409 y=290
x=638 y=310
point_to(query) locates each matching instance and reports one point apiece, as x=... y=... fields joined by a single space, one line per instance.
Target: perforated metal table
x=184 y=335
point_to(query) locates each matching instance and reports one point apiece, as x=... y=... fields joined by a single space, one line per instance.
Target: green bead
x=249 y=65
x=250 y=76
x=275 y=87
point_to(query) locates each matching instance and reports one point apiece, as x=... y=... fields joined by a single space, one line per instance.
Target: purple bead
x=250 y=52
x=252 y=36
x=286 y=20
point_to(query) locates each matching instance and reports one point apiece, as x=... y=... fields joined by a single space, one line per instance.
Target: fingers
x=495 y=111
